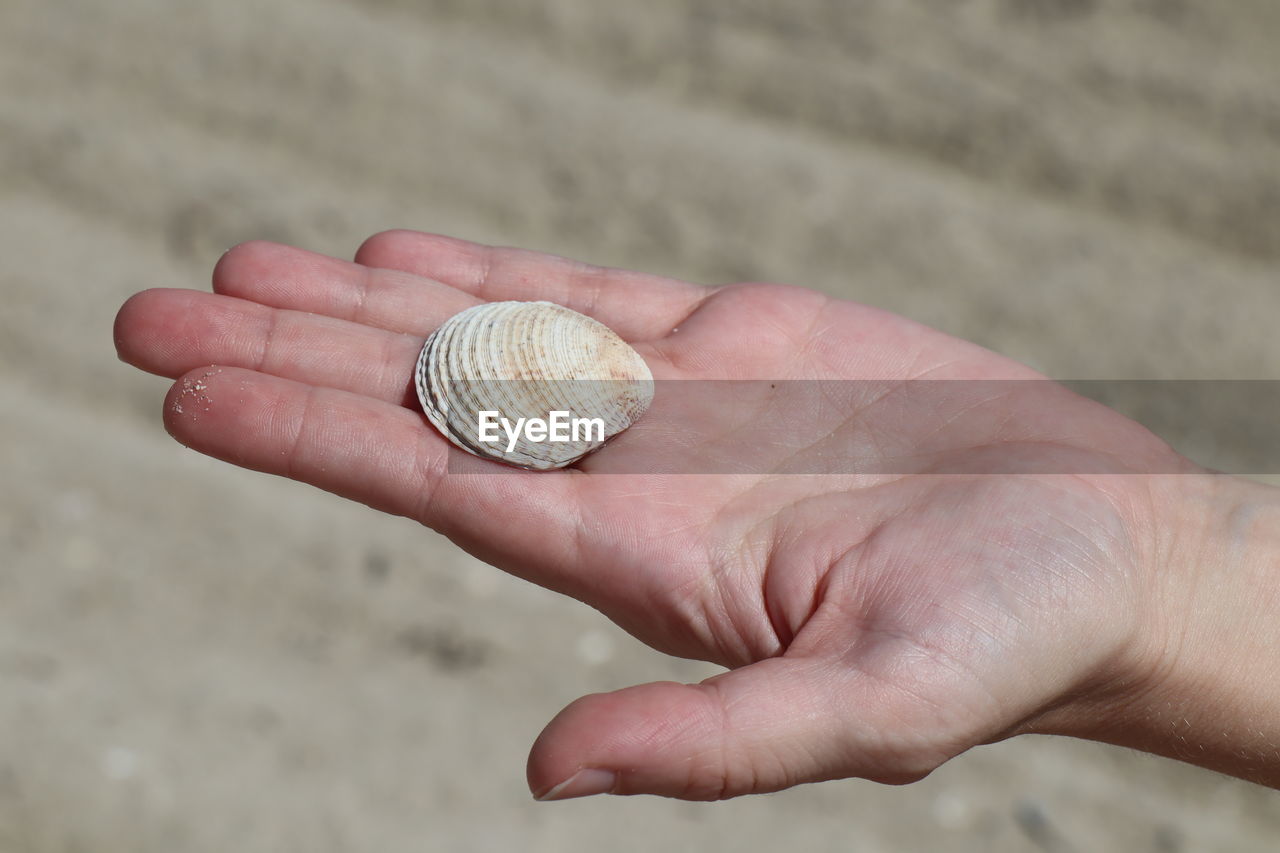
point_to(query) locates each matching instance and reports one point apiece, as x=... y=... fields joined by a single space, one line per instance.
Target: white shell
x=527 y=360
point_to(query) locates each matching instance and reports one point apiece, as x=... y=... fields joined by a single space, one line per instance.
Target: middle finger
x=170 y=332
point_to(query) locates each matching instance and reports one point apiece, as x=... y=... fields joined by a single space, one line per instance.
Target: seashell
x=530 y=360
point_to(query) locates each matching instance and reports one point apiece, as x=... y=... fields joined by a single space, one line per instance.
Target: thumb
x=764 y=727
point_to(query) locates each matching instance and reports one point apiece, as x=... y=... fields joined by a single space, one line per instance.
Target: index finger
x=638 y=306
x=383 y=455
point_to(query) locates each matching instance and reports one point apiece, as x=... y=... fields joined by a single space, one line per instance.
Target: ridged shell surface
x=529 y=360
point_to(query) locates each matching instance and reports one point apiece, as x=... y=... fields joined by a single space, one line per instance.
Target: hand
x=873 y=625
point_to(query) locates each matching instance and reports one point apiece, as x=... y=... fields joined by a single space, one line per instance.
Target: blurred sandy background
x=196 y=658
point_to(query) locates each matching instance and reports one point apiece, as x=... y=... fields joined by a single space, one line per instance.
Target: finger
x=764 y=727
x=298 y=280
x=635 y=305
x=169 y=332
x=384 y=456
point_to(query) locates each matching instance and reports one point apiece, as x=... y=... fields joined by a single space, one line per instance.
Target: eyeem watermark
x=558 y=427
x=897 y=428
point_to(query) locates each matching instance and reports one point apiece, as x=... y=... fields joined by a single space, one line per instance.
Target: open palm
x=876 y=619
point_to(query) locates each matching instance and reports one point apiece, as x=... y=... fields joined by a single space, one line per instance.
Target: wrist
x=1201 y=679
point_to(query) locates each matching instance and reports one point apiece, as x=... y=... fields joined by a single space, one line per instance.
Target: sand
x=198 y=658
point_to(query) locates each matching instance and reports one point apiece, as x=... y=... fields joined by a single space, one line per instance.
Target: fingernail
x=587 y=782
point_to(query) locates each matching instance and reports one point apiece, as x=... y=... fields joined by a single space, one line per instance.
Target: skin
x=872 y=624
